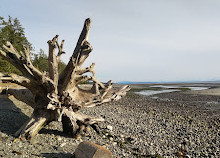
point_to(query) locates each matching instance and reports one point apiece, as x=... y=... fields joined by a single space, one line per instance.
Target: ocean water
x=191 y=88
x=152 y=92
x=198 y=88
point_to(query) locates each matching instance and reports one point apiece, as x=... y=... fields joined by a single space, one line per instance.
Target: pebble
x=59 y=138
x=88 y=129
x=111 y=139
x=62 y=145
x=122 y=136
x=114 y=143
x=109 y=127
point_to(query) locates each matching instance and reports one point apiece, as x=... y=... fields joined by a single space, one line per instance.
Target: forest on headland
x=12 y=30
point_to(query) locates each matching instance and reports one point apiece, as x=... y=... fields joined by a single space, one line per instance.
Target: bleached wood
x=67 y=74
x=37 y=121
x=60 y=50
x=53 y=63
x=59 y=98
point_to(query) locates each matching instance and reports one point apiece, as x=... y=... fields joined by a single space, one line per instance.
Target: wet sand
x=212 y=91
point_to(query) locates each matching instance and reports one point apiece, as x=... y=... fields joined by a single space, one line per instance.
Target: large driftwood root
x=74 y=123
x=57 y=97
x=38 y=120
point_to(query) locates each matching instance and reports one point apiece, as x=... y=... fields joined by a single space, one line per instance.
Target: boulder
x=91 y=150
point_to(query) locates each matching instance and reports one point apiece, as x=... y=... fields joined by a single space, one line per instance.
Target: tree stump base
x=59 y=97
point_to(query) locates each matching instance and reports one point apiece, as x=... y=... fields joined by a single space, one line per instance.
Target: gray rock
x=109 y=127
x=91 y=150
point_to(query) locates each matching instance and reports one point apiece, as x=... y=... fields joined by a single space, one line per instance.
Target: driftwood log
x=57 y=97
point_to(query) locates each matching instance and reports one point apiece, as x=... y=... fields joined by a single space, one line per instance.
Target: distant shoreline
x=168 y=82
x=212 y=88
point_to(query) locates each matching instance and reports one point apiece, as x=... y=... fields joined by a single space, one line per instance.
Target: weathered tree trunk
x=59 y=97
x=38 y=120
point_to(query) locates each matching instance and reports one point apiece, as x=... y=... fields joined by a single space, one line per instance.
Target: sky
x=133 y=40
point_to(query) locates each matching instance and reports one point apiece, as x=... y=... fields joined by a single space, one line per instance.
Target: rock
x=88 y=129
x=91 y=150
x=110 y=127
x=122 y=136
x=59 y=148
x=16 y=152
x=78 y=137
x=187 y=156
x=111 y=139
x=59 y=138
x=63 y=144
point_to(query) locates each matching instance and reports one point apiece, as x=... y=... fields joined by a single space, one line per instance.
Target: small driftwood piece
x=59 y=97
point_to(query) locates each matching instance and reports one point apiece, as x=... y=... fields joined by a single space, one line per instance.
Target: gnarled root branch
x=59 y=97
x=38 y=120
x=74 y=123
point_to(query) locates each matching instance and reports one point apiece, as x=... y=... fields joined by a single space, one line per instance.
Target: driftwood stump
x=57 y=97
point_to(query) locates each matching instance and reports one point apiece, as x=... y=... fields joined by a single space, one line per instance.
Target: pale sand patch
x=212 y=91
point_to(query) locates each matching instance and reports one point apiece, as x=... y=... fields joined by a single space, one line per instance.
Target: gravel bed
x=136 y=126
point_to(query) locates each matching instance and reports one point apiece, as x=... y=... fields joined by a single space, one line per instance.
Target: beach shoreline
x=141 y=126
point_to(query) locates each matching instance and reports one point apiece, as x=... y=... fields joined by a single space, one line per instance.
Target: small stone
x=59 y=138
x=63 y=144
x=16 y=152
x=88 y=129
x=110 y=127
x=89 y=149
x=122 y=136
x=114 y=143
x=111 y=139
x=78 y=137
x=59 y=148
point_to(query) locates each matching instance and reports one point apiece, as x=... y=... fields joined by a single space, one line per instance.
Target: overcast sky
x=133 y=40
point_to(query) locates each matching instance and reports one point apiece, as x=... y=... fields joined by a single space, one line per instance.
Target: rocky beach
x=183 y=123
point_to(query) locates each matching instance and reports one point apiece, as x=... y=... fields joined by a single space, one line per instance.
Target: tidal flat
x=183 y=122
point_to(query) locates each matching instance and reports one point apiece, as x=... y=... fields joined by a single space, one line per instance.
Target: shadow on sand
x=11 y=117
x=54 y=131
x=57 y=155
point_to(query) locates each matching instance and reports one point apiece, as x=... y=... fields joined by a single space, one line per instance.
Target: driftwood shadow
x=57 y=155
x=55 y=132
x=11 y=117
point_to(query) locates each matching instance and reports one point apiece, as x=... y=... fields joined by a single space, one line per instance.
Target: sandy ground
x=212 y=91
